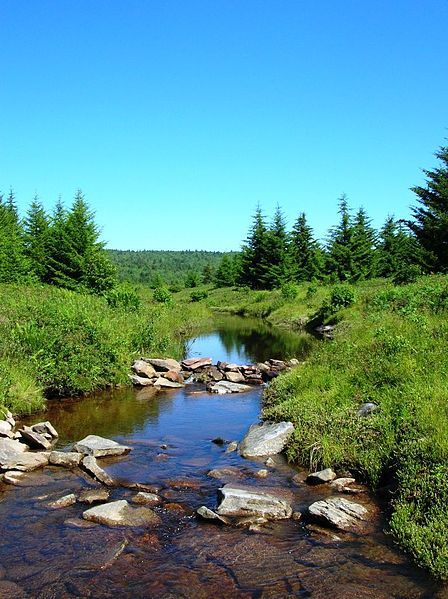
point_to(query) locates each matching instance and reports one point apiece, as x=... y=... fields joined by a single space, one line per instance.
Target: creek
x=171 y=433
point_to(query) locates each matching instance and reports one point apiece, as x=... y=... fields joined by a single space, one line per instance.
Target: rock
x=141 y=381
x=9 y=418
x=45 y=428
x=6 y=429
x=366 y=409
x=34 y=439
x=262 y=367
x=214 y=374
x=11 y=590
x=173 y=376
x=341 y=484
x=263 y=473
x=225 y=387
x=338 y=512
x=195 y=363
x=293 y=362
x=224 y=472
x=219 y=441
x=163 y=365
x=26 y=462
x=235 y=377
x=231 y=368
x=14 y=478
x=100 y=447
x=65 y=501
x=120 y=513
x=209 y=514
x=68 y=459
x=254 y=379
x=297 y=516
x=266 y=439
x=90 y=465
x=252 y=521
x=277 y=364
x=93 y=496
x=166 y=384
x=269 y=375
x=78 y=523
x=321 y=477
x=146 y=498
x=242 y=501
x=143 y=369
x=270 y=463
x=232 y=446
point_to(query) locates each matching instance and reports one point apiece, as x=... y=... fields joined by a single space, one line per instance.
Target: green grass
x=55 y=342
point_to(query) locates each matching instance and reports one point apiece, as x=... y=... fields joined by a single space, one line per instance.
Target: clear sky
x=176 y=117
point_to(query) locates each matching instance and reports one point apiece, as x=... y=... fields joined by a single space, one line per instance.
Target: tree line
x=272 y=256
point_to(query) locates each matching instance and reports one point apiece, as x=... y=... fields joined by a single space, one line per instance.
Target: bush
x=162 y=295
x=408 y=273
x=198 y=295
x=289 y=291
x=123 y=297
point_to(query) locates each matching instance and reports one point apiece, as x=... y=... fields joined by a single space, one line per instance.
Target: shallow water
x=171 y=433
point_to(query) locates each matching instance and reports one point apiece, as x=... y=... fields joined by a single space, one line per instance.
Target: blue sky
x=177 y=117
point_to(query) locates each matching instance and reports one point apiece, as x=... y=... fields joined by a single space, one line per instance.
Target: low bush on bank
x=389 y=349
x=55 y=342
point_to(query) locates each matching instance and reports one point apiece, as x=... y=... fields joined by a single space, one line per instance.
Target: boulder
x=232 y=446
x=26 y=462
x=342 y=484
x=93 y=496
x=241 y=502
x=266 y=439
x=6 y=429
x=208 y=514
x=166 y=384
x=45 y=428
x=321 y=477
x=339 y=513
x=175 y=377
x=143 y=369
x=33 y=439
x=120 y=513
x=214 y=374
x=14 y=478
x=65 y=501
x=68 y=459
x=146 y=498
x=293 y=362
x=9 y=448
x=100 y=447
x=90 y=465
x=235 y=377
x=195 y=363
x=141 y=381
x=366 y=409
x=231 y=367
x=277 y=364
x=225 y=387
x=7 y=415
x=163 y=365
x=254 y=379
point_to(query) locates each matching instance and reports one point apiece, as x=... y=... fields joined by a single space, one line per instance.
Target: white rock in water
x=25 y=462
x=321 y=477
x=99 y=447
x=225 y=387
x=266 y=439
x=91 y=466
x=240 y=502
x=339 y=512
x=62 y=502
x=9 y=448
x=166 y=383
x=120 y=513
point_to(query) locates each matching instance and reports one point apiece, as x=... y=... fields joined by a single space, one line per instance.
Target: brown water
x=41 y=555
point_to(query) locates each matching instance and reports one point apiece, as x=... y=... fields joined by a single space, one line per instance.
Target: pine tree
x=363 y=247
x=340 y=263
x=14 y=265
x=254 y=253
x=430 y=224
x=396 y=248
x=225 y=275
x=36 y=235
x=277 y=258
x=305 y=251
x=208 y=274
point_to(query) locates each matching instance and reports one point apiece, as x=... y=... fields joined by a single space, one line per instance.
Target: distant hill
x=150 y=266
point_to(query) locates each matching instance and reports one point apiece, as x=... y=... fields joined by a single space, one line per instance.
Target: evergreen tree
x=305 y=251
x=396 y=248
x=340 y=262
x=208 y=274
x=277 y=258
x=225 y=275
x=36 y=236
x=14 y=265
x=363 y=247
x=430 y=224
x=254 y=253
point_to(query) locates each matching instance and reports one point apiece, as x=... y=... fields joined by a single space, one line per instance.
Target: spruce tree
x=305 y=251
x=430 y=224
x=340 y=262
x=36 y=237
x=254 y=253
x=363 y=247
x=277 y=257
x=14 y=265
x=226 y=274
x=397 y=248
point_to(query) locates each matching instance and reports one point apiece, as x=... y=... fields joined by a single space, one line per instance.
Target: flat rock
x=195 y=363
x=232 y=446
x=90 y=465
x=79 y=523
x=339 y=513
x=68 y=459
x=266 y=439
x=45 y=428
x=214 y=374
x=14 y=478
x=34 y=439
x=342 y=484
x=93 y=496
x=120 y=513
x=6 y=429
x=166 y=383
x=163 y=364
x=174 y=376
x=62 y=502
x=208 y=514
x=26 y=462
x=141 y=381
x=144 y=369
x=235 y=377
x=224 y=472
x=99 y=447
x=225 y=387
x=242 y=502
x=321 y=477
x=146 y=498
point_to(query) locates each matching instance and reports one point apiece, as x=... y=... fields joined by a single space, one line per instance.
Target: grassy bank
x=57 y=342
x=390 y=348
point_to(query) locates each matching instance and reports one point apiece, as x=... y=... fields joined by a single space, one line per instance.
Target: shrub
x=162 y=295
x=289 y=291
x=198 y=295
x=123 y=297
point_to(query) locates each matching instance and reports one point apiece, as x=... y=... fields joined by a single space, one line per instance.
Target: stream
x=43 y=555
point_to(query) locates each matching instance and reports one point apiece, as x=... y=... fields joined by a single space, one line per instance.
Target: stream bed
x=43 y=555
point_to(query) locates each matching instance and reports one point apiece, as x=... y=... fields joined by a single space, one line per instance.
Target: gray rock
x=277 y=364
x=141 y=381
x=225 y=387
x=6 y=429
x=79 y=523
x=241 y=502
x=321 y=477
x=65 y=501
x=68 y=459
x=45 y=428
x=14 y=478
x=166 y=383
x=34 y=439
x=146 y=498
x=342 y=484
x=270 y=463
x=93 y=496
x=144 y=369
x=214 y=374
x=266 y=439
x=339 y=513
x=120 y=513
x=26 y=462
x=252 y=521
x=263 y=473
x=209 y=514
x=9 y=418
x=161 y=365
x=90 y=465
x=235 y=377
x=9 y=448
x=196 y=363
x=224 y=472
x=100 y=447
x=293 y=362
x=232 y=446
x=366 y=409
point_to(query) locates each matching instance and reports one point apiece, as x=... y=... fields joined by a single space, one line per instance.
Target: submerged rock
x=14 y=478
x=146 y=498
x=225 y=387
x=90 y=465
x=338 y=512
x=321 y=477
x=99 y=447
x=68 y=459
x=209 y=514
x=120 y=513
x=166 y=383
x=62 y=502
x=241 y=502
x=266 y=439
x=93 y=496
x=342 y=484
